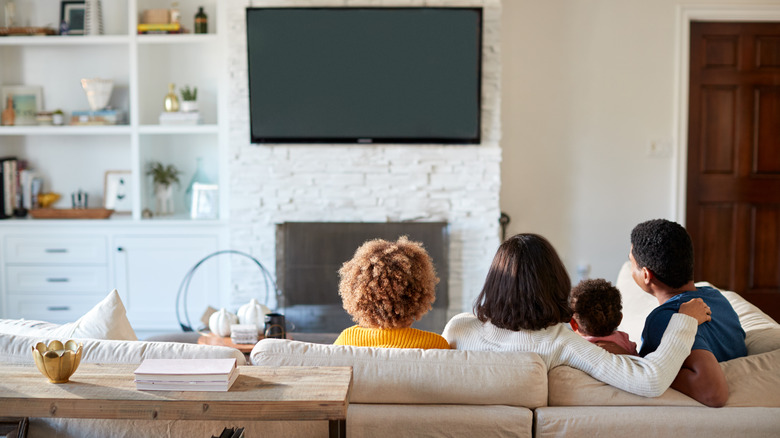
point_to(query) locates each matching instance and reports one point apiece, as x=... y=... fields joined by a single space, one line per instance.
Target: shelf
x=178 y=129
x=67 y=40
x=187 y=38
x=65 y=130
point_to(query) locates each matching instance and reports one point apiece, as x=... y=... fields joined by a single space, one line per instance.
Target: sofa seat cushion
x=656 y=421
x=412 y=421
x=18 y=349
x=107 y=320
x=753 y=381
x=415 y=376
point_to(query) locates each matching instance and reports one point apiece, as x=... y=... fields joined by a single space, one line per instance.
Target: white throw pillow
x=107 y=320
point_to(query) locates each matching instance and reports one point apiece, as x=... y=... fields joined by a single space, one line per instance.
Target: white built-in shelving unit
x=70 y=158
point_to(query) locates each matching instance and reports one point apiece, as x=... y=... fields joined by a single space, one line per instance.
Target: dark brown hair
x=527 y=286
x=597 y=308
x=388 y=284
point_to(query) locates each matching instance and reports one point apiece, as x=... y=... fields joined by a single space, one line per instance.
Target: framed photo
x=27 y=101
x=117 y=193
x=205 y=201
x=72 y=13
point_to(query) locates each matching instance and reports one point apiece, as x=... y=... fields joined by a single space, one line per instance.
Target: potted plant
x=189 y=98
x=163 y=178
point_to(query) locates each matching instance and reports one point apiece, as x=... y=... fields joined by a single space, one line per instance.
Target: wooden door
x=733 y=191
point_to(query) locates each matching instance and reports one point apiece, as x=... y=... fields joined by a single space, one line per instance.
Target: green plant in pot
x=164 y=177
x=189 y=97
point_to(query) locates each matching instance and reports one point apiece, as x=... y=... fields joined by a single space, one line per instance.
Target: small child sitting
x=598 y=313
x=386 y=287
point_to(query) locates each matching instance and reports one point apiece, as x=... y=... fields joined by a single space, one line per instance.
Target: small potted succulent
x=163 y=177
x=189 y=97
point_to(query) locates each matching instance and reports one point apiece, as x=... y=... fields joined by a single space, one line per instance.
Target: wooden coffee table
x=108 y=391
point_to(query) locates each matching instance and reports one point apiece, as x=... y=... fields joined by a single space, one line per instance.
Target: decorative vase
x=163 y=199
x=220 y=322
x=253 y=313
x=98 y=92
x=171 y=102
x=198 y=177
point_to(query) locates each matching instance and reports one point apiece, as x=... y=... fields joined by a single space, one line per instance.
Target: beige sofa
x=440 y=393
x=409 y=393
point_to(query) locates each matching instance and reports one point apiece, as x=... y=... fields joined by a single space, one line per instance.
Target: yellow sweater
x=391 y=338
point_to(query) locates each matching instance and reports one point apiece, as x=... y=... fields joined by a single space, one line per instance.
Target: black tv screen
x=364 y=75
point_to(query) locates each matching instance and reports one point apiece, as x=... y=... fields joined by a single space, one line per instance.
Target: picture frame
x=205 y=201
x=72 y=17
x=27 y=101
x=118 y=191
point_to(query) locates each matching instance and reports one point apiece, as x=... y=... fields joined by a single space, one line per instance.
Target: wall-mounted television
x=365 y=75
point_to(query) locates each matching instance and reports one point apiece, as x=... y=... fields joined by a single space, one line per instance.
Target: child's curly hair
x=388 y=284
x=596 y=305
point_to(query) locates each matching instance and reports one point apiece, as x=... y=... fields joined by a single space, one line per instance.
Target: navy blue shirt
x=723 y=336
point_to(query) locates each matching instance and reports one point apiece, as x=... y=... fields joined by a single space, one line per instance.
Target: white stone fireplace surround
x=272 y=184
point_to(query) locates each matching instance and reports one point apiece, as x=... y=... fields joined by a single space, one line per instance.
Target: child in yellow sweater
x=387 y=286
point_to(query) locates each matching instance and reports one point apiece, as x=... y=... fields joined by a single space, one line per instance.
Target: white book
x=186 y=370
x=154 y=385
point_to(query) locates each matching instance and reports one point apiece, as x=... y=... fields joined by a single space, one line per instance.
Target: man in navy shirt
x=662 y=265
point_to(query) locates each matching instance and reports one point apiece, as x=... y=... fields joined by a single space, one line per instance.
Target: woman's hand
x=698 y=309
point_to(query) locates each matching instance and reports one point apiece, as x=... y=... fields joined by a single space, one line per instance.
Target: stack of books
x=243 y=333
x=186 y=374
x=180 y=118
x=158 y=28
x=100 y=117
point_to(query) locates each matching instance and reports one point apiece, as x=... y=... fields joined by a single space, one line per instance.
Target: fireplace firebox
x=309 y=255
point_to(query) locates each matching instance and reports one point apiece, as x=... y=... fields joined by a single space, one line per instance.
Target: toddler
x=597 y=314
x=385 y=287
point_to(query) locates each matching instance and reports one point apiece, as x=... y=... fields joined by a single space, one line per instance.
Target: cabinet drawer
x=51 y=308
x=57 y=279
x=56 y=249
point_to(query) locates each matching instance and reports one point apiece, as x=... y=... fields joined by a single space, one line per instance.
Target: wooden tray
x=71 y=213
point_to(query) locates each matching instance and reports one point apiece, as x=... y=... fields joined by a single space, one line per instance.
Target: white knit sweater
x=648 y=376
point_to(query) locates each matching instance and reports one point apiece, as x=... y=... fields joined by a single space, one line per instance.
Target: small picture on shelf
x=205 y=201
x=27 y=102
x=118 y=190
x=72 y=13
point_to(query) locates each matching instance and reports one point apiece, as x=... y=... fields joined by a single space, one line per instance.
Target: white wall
x=271 y=184
x=586 y=86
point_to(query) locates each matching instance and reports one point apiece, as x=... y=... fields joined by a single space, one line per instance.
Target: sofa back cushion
x=753 y=381
x=107 y=320
x=18 y=349
x=416 y=376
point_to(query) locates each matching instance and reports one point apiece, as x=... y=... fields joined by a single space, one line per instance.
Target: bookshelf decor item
x=27 y=102
x=117 y=191
x=72 y=14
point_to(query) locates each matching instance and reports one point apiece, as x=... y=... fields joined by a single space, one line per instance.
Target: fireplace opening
x=309 y=255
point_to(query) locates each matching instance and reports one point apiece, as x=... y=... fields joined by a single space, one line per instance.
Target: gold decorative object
x=57 y=361
x=171 y=102
x=47 y=199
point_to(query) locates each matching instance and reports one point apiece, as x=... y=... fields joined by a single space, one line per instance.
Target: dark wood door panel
x=733 y=186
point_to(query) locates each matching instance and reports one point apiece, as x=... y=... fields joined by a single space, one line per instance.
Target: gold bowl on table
x=57 y=361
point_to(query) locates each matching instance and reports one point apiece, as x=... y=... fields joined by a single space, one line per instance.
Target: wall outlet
x=659 y=148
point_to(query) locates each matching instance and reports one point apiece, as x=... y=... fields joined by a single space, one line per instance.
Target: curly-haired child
x=385 y=287
x=597 y=314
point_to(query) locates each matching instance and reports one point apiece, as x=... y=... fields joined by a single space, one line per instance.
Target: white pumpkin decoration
x=219 y=322
x=253 y=313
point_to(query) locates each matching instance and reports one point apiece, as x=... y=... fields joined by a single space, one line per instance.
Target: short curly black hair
x=597 y=307
x=665 y=248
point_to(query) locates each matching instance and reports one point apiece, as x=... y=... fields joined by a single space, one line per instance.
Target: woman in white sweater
x=524 y=306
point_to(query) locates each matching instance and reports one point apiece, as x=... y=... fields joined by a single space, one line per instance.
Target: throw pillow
x=107 y=320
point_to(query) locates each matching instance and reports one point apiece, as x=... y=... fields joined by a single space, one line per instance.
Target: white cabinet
x=53 y=277
x=70 y=158
x=149 y=271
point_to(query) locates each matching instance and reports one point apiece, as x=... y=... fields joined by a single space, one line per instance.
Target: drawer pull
x=56 y=250
x=57 y=308
x=57 y=280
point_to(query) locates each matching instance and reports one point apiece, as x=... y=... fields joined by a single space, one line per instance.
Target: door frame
x=686 y=14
